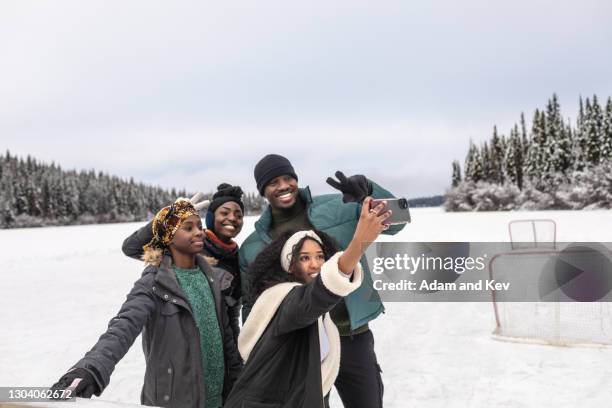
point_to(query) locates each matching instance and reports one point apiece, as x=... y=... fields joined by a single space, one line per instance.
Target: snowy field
x=60 y=287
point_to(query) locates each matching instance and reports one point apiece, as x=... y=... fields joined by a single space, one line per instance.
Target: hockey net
x=551 y=323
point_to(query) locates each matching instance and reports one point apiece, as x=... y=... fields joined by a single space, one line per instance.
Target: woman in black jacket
x=177 y=304
x=224 y=220
x=290 y=345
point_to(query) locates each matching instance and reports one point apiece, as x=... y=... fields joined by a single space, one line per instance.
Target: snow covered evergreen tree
x=593 y=130
x=557 y=142
x=579 y=142
x=606 y=134
x=485 y=156
x=456 y=173
x=513 y=159
x=473 y=164
x=496 y=157
x=524 y=137
x=533 y=163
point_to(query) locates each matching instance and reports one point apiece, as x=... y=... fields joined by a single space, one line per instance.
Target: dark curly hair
x=266 y=270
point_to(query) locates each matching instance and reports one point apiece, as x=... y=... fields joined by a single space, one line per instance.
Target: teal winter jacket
x=329 y=214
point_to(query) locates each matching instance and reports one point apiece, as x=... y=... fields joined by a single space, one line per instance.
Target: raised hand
x=370 y=225
x=354 y=189
x=199 y=202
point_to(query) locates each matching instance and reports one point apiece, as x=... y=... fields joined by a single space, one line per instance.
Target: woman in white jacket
x=290 y=345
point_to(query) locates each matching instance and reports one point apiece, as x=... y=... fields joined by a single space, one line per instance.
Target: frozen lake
x=61 y=285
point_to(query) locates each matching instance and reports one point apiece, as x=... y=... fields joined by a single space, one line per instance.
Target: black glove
x=354 y=188
x=86 y=388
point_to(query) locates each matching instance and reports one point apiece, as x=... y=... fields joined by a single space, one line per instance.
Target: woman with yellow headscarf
x=177 y=304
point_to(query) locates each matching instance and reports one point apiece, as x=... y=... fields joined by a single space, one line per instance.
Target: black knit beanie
x=270 y=167
x=225 y=193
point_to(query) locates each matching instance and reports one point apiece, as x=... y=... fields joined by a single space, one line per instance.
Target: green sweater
x=200 y=298
x=293 y=219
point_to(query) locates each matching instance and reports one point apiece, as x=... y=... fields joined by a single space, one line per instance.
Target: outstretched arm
x=122 y=330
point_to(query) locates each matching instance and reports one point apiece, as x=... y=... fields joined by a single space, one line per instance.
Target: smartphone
x=400 y=213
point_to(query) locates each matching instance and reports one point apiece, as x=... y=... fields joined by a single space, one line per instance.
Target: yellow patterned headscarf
x=165 y=224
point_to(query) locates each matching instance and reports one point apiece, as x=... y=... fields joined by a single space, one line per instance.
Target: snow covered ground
x=60 y=287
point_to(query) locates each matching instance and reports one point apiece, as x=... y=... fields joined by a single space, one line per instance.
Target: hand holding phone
x=400 y=213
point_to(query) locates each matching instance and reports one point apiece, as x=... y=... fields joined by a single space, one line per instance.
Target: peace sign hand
x=354 y=189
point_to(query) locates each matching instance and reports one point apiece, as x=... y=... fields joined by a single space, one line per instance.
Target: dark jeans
x=359 y=383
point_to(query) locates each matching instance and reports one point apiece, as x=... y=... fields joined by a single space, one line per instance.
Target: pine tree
x=593 y=130
x=513 y=159
x=32 y=195
x=509 y=161
x=19 y=184
x=7 y=198
x=543 y=142
x=485 y=158
x=473 y=164
x=59 y=198
x=533 y=163
x=579 y=144
x=72 y=197
x=570 y=136
x=580 y=119
x=557 y=145
x=496 y=157
x=524 y=139
x=456 y=173
x=606 y=134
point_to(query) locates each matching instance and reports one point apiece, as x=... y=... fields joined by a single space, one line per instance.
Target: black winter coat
x=158 y=308
x=132 y=247
x=280 y=343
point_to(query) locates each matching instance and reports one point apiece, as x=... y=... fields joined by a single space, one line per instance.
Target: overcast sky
x=189 y=94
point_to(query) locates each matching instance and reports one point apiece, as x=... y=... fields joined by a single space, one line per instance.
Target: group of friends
x=298 y=281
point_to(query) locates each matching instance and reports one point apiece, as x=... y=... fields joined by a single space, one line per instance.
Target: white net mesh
x=556 y=323
x=532 y=233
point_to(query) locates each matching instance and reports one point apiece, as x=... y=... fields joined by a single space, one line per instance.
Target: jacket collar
x=262 y=226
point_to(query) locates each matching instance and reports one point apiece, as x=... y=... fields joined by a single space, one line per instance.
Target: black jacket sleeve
x=233 y=361
x=303 y=306
x=120 y=335
x=244 y=286
x=132 y=245
x=234 y=317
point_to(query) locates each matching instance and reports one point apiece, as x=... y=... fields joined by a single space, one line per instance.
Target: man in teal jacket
x=292 y=208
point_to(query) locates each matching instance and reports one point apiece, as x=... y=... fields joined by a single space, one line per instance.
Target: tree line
x=38 y=194
x=554 y=164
